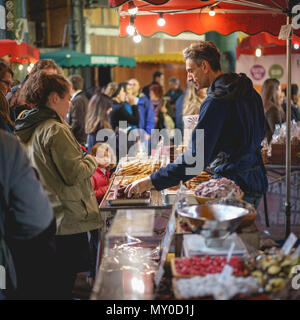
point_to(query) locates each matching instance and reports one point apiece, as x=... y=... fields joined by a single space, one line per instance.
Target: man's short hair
x=77 y=81
x=156 y=74
x=203 y=50
x=174 y=80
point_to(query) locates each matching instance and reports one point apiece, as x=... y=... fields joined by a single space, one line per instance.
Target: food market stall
x=215 y=260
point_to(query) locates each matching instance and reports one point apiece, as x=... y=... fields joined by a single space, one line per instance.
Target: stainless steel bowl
x=213 y=221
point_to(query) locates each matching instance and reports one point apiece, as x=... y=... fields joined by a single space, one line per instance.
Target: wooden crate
x=278 y=154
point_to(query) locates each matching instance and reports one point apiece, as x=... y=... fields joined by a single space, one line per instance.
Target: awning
x=269 y=45
x=67 y=58
x=22 y=53
x=167 y=58
x=248 y=16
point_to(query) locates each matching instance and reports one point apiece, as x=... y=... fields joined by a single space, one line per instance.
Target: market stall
x=217 y=258
x=213 y=258
x=251 y=17
x=263 y=56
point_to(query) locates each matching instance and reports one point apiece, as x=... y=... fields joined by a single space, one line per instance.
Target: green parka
x=63 y=169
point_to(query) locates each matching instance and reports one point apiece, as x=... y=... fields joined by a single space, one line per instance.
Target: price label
x=285 y=32
x=230 y=251
x=289 y=243
x=226 y=272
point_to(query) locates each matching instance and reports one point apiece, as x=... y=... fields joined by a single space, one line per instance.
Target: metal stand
x=288 y=132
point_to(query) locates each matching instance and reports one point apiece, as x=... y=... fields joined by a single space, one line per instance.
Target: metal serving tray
x=125 y=202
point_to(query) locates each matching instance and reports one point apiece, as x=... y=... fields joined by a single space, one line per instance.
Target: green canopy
x=67 y=58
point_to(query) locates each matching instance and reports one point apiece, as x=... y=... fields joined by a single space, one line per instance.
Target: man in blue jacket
x=233 y=121
x=147 y=117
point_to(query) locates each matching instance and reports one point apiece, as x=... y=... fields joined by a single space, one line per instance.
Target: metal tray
x=126 y=202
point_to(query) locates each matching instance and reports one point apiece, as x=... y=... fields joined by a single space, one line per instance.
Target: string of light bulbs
x=161 y=22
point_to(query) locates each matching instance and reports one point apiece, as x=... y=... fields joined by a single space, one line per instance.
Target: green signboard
x=276 y=71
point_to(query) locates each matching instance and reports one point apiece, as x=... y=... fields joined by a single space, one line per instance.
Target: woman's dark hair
x=38 y=88
x=120 y=86
x=157 y=89
x=294 y=93
x=4 y=109
x=97 y=113
x=203 y=50
x=268 y=93
x=4 y=68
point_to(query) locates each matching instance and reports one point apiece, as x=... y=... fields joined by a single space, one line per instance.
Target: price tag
x=285 y=32
x=226 y=272
x=230 y=251
x=289 y=243
x=296 y=253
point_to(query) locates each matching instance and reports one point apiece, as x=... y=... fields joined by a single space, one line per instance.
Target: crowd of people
x=52 y=185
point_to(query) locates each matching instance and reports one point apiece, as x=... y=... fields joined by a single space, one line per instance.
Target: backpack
x=7 y=269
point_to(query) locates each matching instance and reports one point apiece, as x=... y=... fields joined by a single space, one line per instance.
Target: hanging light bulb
x=137 y=37
x=20 y=67
x=132 y=8
x=212 y=11
x=130 y=28
x=296 y=46
x=31 y=65
x=258 y=52
x=29 y=68
x=161 y=21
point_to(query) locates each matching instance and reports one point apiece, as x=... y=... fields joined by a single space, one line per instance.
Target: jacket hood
x=230 y=86
x=31 y=119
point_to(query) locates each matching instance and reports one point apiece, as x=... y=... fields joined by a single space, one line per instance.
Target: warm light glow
x=137 y=38
x=20 y=67
x=130 y=29
x=138 y=285
x=161 y=21
x=132 y=8
x=31 y=65
x=29 y=68
x=258 y=52
x=296 y=46
x=212 y=12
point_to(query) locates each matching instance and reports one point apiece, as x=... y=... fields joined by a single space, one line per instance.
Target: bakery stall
x=194 y=241
x=187 y=242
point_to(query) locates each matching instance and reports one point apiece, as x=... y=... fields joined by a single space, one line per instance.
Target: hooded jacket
x=63 y=169
x=232 y=117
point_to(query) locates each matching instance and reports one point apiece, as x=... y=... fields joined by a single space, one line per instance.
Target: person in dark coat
x=28 y=223
x=76 y=115
x=172 y=95
x=232 y=117
x=295 y=108
x=158 y=78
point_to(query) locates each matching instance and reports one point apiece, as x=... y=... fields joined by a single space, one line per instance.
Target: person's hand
x=147 y=136
x=139 y=186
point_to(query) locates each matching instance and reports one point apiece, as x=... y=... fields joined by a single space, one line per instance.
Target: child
x=100 y=179
x=106 y=160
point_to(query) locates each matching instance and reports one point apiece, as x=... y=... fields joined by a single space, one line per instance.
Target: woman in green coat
x=64 y=172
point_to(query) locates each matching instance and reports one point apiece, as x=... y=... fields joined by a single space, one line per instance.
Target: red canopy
x=21 y=53
x=193 y=15
x=269 y=44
